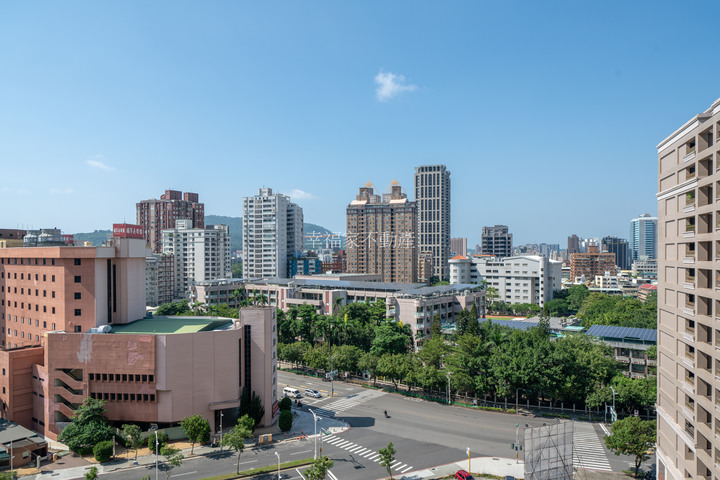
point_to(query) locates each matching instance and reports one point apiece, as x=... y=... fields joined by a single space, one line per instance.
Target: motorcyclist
x=385 y=412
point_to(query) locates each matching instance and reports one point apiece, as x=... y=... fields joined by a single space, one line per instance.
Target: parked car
x=463 y=475
x=311 y=392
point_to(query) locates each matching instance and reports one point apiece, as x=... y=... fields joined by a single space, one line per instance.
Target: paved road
x=425 y=434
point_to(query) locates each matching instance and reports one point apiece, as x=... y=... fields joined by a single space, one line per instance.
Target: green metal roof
x=166 y=325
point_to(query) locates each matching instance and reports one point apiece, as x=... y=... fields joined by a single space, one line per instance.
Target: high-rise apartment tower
x=432 y=195
x=688 y=418
x=156 y=215
x=618 y=246
x=643 y=237
x=272 y=234
x=496 y=241
x=381 y=234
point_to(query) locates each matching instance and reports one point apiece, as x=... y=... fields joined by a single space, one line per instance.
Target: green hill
x=235 y=223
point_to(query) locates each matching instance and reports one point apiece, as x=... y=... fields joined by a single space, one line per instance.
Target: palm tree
x=238 y=295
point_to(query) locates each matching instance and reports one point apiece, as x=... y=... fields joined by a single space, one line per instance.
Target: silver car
x=309 y=392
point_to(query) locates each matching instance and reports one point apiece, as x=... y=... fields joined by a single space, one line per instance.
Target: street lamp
x=316 y=418
x=278 y=455
x=221 y=417
x=517 y=448
x=154 y=428
x=614 y=411
x=448 y=375
x=517 y=405
x=332 y=377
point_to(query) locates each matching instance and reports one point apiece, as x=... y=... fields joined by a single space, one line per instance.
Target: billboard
x=549 y=452
x=127 y=230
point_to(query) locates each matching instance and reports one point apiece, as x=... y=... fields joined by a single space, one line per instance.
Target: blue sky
x=546 y=113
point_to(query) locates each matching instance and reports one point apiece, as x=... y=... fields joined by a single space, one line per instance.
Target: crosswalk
x=345 y=403
x=363 y=452
x=588 y=451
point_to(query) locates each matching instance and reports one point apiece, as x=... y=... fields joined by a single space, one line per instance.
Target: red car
x=463 y=475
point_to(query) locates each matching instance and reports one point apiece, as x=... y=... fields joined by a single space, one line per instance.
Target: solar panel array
x=612 y=331
x=513 y=323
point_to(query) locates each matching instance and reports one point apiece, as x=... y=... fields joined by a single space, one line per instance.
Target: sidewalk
x=69 y=467
x=479 y=466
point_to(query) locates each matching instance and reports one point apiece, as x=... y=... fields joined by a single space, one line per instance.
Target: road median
x=259 y=470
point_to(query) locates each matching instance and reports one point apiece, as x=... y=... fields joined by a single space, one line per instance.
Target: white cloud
x=95 y=161
x=390 y=85
x=61 y=191
x=297 y=194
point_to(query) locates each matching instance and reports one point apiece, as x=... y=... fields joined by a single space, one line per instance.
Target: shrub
x=285 y=404
x=162 y=441
x=103 y=451
x=286 y=420
x=91 y=474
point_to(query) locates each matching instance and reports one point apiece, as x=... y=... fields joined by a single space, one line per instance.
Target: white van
x=291 y=392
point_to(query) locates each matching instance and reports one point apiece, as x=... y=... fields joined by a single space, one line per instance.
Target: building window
x=77 y=279
x=53 y=294
x=78 y=329
x=77 y=261
x=52 y=278
x=78 y=312
x=53 y=325
x=53 y=311
x=78 y=295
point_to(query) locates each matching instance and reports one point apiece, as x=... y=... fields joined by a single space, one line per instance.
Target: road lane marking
x=298 y=453
x=407 y=469
x=181 y=474
x=244 y=463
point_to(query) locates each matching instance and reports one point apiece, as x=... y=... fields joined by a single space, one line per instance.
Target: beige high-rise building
x=688 y=302
x=432 y=195
x=382 y=234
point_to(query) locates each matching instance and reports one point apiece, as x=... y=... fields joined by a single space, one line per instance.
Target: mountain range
x=235 y=223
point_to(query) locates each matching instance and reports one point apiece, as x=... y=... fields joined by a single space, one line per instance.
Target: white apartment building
x=159 y=279
x=520 y=279
x=199 y=254
x=272 y=234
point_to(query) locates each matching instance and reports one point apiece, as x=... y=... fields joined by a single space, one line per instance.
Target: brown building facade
x=156 y=215
x=382 y=234
x=591 y=264
x=688 y=300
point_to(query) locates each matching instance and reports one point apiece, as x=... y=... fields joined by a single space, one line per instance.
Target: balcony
x=689 y=154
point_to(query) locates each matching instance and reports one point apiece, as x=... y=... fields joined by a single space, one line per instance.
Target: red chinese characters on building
x=127 y=230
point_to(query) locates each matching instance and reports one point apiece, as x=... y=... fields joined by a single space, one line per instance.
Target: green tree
x=285 y=404
x=235 y=438
x=391 y=338
x=368 y=363
x=132 y=434
x=285 y=421
x=196 y=429
x=162 y=440
x=256 y=411
x=433 y=351
x=387 y=457
x=436 y=327
x=319 y=468
x=103 y=451
x=632 y=436
x=576 y=296
x=91 y=474
x=173 y=458
x=88 y=427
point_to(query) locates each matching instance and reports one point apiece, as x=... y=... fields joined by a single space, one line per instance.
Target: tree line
x=480 y=359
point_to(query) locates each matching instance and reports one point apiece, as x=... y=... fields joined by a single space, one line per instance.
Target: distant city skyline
x=541 y=133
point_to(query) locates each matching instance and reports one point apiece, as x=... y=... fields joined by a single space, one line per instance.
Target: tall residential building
x=458 y=246
x=519 y=279
x=643 y=237
x=272 y=234
x=381 y=234
x=591 y=264
x=496 y=241
x=688 y=418
x=618 y=246
x=573 y=245
x=432 y=195
x=156 y=215
x=159 y=279
x=199 y=254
